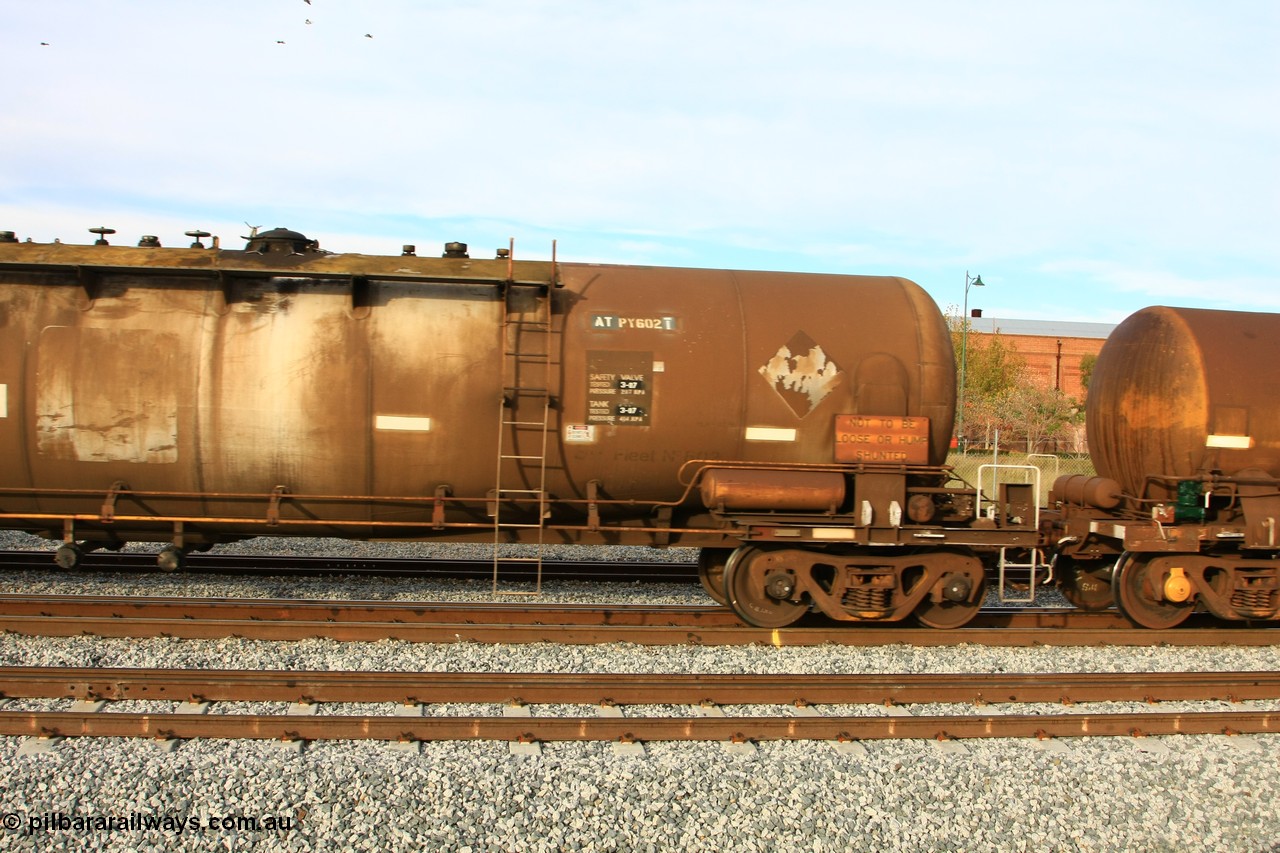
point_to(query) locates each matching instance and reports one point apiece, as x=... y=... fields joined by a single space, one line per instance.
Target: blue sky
x=1087 y=158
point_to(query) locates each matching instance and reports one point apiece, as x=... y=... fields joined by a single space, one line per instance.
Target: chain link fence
x=1050 y=467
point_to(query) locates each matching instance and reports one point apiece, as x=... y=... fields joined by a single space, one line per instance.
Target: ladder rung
x=519 y=491
x=525 y=390
x=525 y=423
x=508 y=456
x=508 y=525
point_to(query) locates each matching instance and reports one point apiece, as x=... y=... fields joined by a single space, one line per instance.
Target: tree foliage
x=1086 y=369
x=999 y=397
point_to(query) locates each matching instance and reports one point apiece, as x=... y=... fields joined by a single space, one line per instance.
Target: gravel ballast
x=1169 y=793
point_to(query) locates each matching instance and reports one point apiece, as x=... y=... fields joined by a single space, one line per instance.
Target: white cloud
x=1166 y=287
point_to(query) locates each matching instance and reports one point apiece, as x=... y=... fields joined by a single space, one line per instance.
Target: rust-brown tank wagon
x=278 y=374
x=1184 y=432
x=1178 y=391
x=196 y=395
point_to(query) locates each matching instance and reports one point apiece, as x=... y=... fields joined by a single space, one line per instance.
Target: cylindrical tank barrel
x=1083 y=490
x=738 y=489
x=306 y=373
x=1179 y=392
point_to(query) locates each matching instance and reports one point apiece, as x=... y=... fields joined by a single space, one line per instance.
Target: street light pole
x=976 y=281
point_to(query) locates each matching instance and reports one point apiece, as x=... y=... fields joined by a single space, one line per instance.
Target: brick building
x=1052 y=349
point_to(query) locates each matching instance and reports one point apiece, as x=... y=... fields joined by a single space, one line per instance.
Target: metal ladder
x=1002 y=477
x=1005 y=564
x=524 y=424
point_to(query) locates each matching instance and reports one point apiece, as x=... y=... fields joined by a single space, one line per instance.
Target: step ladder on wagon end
x=1013 y=491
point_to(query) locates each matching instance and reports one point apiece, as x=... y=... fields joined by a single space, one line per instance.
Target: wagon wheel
x=171 y=558
x=952 y=614
x=711 y=562
x=69 y=556
x=1086 y=583
x=758 y=591
x=1137 y=592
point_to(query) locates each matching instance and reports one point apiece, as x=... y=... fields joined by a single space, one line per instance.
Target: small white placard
x=580 y=434
x=770 y=434
x=405 y=424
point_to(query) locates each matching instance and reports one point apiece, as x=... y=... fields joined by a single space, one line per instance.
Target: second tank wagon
x=1184 y=431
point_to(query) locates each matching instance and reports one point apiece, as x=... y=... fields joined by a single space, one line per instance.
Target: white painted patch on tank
x=1231 y=442
x=770 y=434
x=106 y=395
x=4 y=401
x=402 y=422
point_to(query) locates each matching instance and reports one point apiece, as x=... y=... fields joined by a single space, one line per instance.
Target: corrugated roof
x=1040 y=328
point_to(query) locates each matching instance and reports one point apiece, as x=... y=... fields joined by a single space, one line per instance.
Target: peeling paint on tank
x=802 y=374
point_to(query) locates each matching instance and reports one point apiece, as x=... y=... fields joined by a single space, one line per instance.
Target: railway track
x=366 y=621
x=407 y=567
x=224 y=685
x=800 y=718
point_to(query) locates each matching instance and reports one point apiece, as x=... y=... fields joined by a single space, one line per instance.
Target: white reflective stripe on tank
x=770 y=434
x=1233 y=442
x=4 y=401
x=402 y=423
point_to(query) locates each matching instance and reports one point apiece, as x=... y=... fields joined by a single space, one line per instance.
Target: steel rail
x=18 y=604
x=118 y=684
x=295 y=609
x=534 y=729
x=482 y=612
x=654 y=635
x=94 y=561
x=368 y=621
